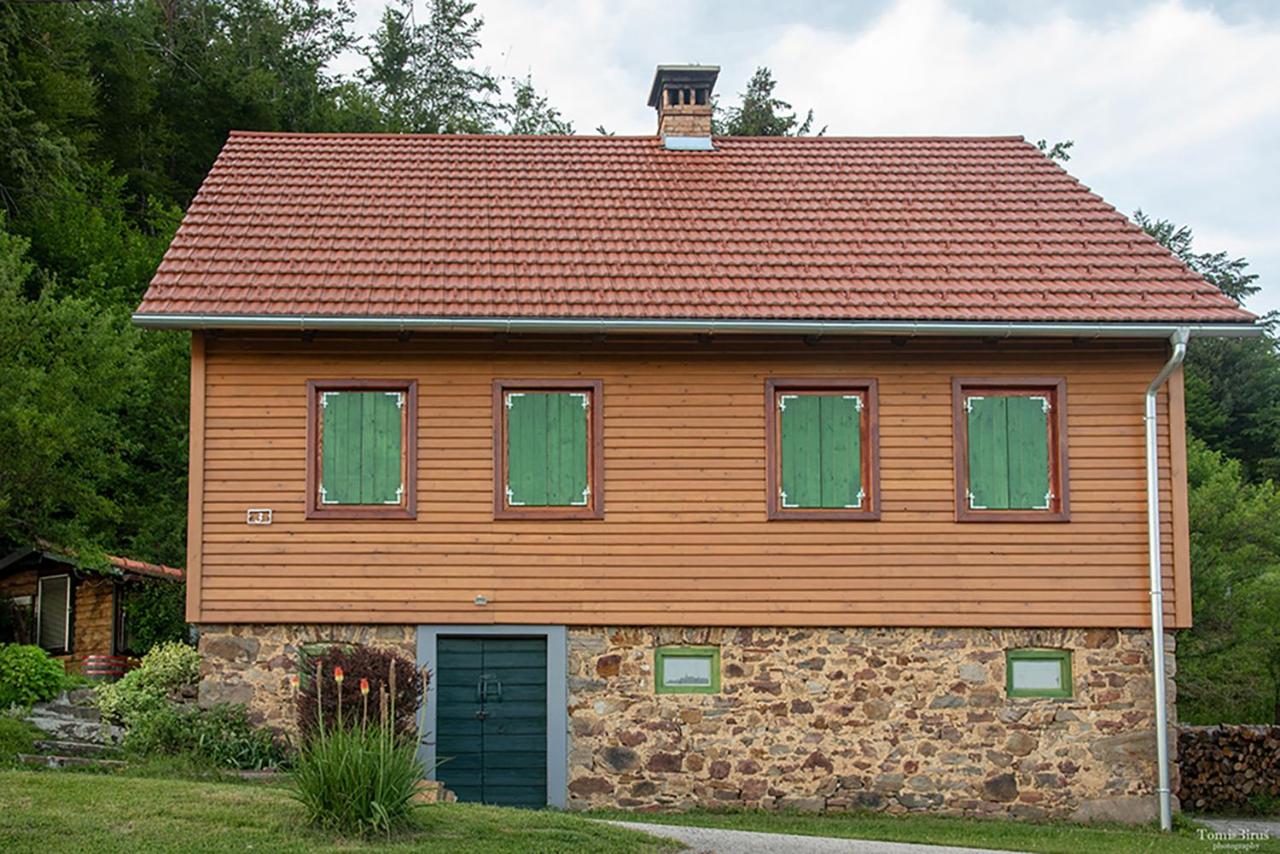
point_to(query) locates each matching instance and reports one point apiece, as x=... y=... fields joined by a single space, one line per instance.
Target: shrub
x=221 y=736
x=16 y=736
x=28 y=675
x=357 y=662
x=166 y=668
x=358 y=779
x=156 y=612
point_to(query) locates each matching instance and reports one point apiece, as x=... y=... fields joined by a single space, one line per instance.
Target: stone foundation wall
x=251 y=664
x=883 y=719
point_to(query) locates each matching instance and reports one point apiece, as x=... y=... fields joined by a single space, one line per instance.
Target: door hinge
x=782 y=401
x=857 y=500
x=511 y=498
x=857 y=401
x=511 y=396
x=968 y=402
x=399 y=396
x=782 y=494
x=972 y=503
x=1045 y=405
x=399 y=495
x=586 y=495
x=586 y=398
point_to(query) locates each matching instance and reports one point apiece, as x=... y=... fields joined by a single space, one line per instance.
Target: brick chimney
x=682 y=96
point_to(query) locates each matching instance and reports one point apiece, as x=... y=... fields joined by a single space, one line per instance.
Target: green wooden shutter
x=1008 y=452
x=380 y=448
x=547 y=437
x=1028 y=445
x=361 y=447
x=821 y=446
x=988 y=453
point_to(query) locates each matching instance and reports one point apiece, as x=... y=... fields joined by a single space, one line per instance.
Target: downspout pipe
x=1179 y=342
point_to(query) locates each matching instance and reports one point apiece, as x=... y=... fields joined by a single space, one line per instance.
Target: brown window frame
x=594 y=508
x=408 y=508
x=870 y=391
x=1059 y=509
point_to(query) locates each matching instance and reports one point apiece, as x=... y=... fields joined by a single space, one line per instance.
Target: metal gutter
x=1179 y=341
x=986 y=329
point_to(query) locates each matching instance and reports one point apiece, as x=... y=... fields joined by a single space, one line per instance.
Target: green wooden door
x=491 y=719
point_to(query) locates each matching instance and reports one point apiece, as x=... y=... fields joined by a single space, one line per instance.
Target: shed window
x=1038 y=672
x=362 y=442
x=548 y=450
x=53 y=613
x=687 y=669
x=822 y=450
x=1011 y=454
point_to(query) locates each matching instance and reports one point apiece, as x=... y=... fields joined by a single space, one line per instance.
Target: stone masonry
x=896 y=720
x=251 y=664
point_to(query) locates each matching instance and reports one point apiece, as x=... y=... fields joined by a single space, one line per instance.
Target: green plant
x=356 y=779
x=221 y=736
x=371 y=664
x=166 y=668
x=16 y=736
x=28 y=675
x=155 y=612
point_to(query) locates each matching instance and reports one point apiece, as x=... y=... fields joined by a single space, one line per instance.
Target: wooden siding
x=684 y=539
x=92 y=609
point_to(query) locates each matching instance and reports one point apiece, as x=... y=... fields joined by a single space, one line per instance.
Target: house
x=69 y=607
x=720 y=471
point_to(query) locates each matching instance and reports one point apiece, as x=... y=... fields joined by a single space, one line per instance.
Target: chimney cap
x=692 y=75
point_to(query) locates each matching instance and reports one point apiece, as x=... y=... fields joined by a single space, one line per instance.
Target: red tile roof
x=960 y=229
x=129 y=566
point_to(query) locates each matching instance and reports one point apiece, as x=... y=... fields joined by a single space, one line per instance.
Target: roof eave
x=568 y=325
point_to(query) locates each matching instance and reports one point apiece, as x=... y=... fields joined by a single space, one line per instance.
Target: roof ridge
x=624 y=138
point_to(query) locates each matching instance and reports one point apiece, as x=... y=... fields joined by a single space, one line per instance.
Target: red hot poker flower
x=364 y=687
x=337 y=675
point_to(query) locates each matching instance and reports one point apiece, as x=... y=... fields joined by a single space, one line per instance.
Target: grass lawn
x=974 y=833
x=53 y=811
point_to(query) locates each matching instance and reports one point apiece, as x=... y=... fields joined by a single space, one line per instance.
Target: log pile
x=1228 y=768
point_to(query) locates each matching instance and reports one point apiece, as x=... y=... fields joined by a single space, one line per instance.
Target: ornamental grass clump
x=357 y=772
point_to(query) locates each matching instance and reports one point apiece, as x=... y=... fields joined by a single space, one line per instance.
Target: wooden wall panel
x=685 y=539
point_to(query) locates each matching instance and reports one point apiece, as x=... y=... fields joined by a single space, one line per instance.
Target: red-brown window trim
x=870 y=448
x=407 y=510
x=1059 y=470
x=595 y=450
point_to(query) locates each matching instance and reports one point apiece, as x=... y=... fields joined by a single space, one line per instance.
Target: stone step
x=79 y=697
x=66 y=710
x=72 y=747
x=46 y=761
x=77 y=729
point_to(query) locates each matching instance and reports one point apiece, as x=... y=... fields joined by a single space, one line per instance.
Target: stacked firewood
x=1229 y=768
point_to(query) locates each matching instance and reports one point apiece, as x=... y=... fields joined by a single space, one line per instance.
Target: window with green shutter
x=549 y=451
x=1010 y=452
x=822 y=449
x=361 y=449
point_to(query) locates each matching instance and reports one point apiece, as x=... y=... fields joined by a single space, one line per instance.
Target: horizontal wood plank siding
x=684 y=539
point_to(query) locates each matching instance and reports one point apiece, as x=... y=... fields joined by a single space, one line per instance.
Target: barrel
x=105 y=667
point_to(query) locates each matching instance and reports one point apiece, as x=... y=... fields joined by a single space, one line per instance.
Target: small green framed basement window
x=547 y=450
x=686 y=669
x=361 y=441
x=1038 y=672
x=1010 y=450
x=822 y=456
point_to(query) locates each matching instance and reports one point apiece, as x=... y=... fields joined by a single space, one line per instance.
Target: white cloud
x=1173 y=108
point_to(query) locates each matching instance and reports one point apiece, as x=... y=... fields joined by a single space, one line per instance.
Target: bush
x=16 y=736
x=358 y=779
x=357 y=662
x=28 y=675
x=166 y=668
x=221 y=736
x=156 y=613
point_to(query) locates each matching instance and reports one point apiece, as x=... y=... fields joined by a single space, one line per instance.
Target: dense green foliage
x=759 y=113
x=165 y=668
x=156 y=613
x=28 y=675
x=357 y=772
x=221 y=736
x=16 y=736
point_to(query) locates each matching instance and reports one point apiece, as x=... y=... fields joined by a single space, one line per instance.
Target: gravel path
x=707 y=840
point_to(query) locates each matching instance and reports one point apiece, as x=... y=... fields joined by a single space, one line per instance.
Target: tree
x=420 y=74
x=761 y=114
x=1233 y=385
x=531 y=113
x=1059 y=151
x=1229 y=662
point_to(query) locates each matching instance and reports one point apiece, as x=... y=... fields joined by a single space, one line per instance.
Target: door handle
x=482 y=689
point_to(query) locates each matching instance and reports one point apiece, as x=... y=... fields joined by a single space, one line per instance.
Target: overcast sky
x=1174 y=106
